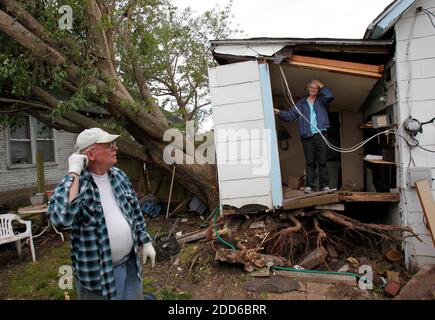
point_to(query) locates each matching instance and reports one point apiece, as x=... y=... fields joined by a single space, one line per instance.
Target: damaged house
x=383 y=95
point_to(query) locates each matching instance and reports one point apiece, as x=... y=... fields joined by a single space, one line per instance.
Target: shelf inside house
x=367 y=125
x=379 y=161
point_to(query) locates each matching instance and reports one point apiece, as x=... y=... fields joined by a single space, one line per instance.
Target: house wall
x=292 y=160
x=24 y=178
x=238 y=106
x=415 y=71
x=352 y=166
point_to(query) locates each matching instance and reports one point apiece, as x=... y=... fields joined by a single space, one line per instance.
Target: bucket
x=394 y=255
x=165 y=248
x=37 y=199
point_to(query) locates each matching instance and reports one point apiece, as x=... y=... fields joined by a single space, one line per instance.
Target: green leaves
x=169 y=45
x=15 y=73
x=172 y=48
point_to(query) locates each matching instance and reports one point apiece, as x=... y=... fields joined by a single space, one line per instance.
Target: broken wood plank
x=316 y=277
x=291 y=194
x=369 y=196
x=333 y=206
x=196 y=235
x=424 y=192
x=340 y=64
x=193 y=237
x=314 y=194
x=311 y=201
x=421 y=286
x=338 y=70
x=332 y=65
x=341 y=196
x=179 y=208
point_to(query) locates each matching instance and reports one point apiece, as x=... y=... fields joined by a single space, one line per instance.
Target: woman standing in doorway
x=315 y=108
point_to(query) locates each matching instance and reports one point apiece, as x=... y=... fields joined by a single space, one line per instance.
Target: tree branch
x=126 y=146
x=25 y=103
x=195 y=110
x=25 y=19
x=141 y=82
x=98 y=35
x=56 y=123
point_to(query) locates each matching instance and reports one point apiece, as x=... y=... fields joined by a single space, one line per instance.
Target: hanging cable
x=289 y=98
x=430 y=15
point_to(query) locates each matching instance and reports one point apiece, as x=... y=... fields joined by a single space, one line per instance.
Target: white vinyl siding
x=237 y=102
x=415 y=76
x=16 y=177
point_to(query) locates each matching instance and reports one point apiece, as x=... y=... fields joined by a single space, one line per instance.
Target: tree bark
x=146 y=128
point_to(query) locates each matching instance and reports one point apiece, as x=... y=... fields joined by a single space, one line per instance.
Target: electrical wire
x=289 y=98
x=430 y=15
x=428 y=150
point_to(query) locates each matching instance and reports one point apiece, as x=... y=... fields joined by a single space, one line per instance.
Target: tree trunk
x=147 y=127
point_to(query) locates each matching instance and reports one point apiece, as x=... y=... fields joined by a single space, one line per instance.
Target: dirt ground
x=193 y=273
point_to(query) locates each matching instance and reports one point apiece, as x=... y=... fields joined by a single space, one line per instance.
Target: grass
x=171 y=293
x=38 y=280
x=165 y=292
x=188 y=253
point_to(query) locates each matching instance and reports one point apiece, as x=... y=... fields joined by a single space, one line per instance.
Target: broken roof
x=315 y=58
x=267 y=47
x=387 y=19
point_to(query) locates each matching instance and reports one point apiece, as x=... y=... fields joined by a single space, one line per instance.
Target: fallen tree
x=128 y=58
x=303 y=231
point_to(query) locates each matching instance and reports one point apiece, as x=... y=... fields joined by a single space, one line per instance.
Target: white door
x=245 y=135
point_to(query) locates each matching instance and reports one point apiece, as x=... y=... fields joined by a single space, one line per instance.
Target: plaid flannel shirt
x=90 y=247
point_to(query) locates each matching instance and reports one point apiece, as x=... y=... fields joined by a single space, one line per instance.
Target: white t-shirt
x=121 y=241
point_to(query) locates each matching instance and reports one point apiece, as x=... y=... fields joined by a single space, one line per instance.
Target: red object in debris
x=392 y=288
x=49 y=193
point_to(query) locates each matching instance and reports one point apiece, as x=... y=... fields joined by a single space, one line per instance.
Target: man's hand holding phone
x=77 y=162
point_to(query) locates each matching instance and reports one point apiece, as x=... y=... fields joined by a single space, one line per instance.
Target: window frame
x=33 y=146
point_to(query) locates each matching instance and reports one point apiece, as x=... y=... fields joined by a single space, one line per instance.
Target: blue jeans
x=128 y=286
x=315 y=154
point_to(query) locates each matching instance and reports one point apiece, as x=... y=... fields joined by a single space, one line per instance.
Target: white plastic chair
x=7 y=233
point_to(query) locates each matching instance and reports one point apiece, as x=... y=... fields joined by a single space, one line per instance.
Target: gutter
x=296 y=41
x=387 y=19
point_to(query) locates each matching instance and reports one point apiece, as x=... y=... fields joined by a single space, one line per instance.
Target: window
x=44 y=141
x=20 y=142
x=29 y=137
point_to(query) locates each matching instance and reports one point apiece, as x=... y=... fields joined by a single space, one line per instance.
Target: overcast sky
x=296 y=18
